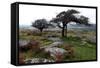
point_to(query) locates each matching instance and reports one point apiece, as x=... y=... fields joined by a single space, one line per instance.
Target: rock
x=23 y=42
x=55 y=39
x=28 y=45
x=55 y=44
x=89 y=45
x=83 y=42
x=54 y=50
x=38 y=60
x=92 y=39
x=56 y=53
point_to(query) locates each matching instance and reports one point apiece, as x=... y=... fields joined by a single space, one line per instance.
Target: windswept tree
x=40 y=24
x=66 y=17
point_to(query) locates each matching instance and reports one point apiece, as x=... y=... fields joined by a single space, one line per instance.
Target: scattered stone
x=89 y=45
x=92 y=39
x=56 y=53
x=55 y=39
x=83 y=42
x=23 y=42
x=38 y=60
x=28 y=45
x=54 y=44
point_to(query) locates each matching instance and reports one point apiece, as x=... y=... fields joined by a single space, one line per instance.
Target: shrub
x=70 y=51
x=21 y=58
x=32 y=45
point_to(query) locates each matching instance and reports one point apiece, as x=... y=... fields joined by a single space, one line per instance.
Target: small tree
x=40 y=24
x=66 y=17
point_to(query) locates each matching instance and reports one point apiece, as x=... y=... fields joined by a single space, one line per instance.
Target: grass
x=40 y=39
x=45 y=42
x=86 y=51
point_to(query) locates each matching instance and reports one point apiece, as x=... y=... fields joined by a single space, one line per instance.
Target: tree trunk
x=63 y=30
x=66 y=30
x=41 y=31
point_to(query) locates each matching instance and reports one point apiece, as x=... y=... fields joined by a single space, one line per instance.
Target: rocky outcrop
x=28 y=45
x=56 y=53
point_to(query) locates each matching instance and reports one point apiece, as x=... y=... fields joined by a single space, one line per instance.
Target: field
x=50 y=46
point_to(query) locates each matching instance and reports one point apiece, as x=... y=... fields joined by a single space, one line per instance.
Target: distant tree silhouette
x=66 y=17
x=40 y=24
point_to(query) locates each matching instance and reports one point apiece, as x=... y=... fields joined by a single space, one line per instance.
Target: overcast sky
x=30 y=13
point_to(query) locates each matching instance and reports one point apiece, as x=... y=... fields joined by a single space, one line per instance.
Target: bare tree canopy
x=66 y=17
x=40 y=24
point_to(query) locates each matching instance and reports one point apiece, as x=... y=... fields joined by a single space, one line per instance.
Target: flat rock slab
x=55 y=39
x=54 y=44
x=55 y=50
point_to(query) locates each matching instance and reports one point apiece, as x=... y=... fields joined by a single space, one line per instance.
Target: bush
x=70 y=51
x=21 y=58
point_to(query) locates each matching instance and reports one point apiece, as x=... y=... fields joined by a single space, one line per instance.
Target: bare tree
x=40 y=24
x=66 y=17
